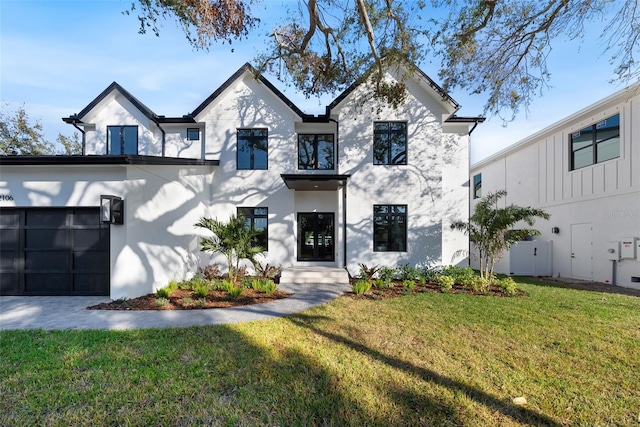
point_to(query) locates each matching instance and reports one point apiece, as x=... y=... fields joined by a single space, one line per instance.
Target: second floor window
x=257 y=219
x=122 y=139
x=596 y=143
x=390 y=143
x=252 y=148
x=315 y=152
x=193 y=134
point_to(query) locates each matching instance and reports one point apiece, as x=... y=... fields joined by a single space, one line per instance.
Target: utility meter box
x=612 y=251
x=628 y=247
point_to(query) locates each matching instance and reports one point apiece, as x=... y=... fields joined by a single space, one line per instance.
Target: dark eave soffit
x=314 y=182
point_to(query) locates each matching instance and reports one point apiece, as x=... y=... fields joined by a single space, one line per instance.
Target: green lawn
x=428 y=359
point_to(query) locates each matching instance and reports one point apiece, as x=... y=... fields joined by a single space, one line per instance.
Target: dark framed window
x=315 y=151
x=257 y=219
x=193 y=134
x=596 y=143
x=252 y=148
x=477 y=186
x=389 y=143
x=122 y=139
x=389 y=228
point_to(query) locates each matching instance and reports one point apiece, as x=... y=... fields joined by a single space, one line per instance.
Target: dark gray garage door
x=53 y=251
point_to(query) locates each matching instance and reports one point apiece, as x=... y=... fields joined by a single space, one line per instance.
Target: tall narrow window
x=390 y=228
x=390 y=143
x=596 y=143
x=477 y=186
x=252 y=148
x=257 y=219
x=122 y=139
x=315 y=152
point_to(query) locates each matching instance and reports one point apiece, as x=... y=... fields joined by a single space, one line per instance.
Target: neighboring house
x=363 y=183
x=585 y=172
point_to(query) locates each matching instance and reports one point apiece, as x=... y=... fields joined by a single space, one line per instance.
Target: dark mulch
x=182 y=299
x=399 y=290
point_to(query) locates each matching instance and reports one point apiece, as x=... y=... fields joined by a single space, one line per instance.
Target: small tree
x=490 y=228
x=233 y=239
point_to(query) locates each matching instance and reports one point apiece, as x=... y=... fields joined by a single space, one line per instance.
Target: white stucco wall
x=591 y=205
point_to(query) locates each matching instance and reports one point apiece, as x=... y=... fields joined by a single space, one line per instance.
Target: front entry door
x=315 y=236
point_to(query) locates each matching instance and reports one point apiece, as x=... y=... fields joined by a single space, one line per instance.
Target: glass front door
x=315 y=236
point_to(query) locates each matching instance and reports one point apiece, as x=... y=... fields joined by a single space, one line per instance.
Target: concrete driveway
x=71 y=313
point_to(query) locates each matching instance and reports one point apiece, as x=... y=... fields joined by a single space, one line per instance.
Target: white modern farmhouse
x=585 y=172
x=364 y=182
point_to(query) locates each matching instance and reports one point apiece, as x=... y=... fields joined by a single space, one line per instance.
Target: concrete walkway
x=71 y=313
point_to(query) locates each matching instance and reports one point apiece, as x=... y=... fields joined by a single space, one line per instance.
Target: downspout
x=344 y=196
x=84 y=138
x=157 y=122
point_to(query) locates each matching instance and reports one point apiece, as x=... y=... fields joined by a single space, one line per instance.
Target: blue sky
x=57 y=56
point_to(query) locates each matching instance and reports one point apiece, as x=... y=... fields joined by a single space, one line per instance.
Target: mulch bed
x=399 y=290
x=215 y=299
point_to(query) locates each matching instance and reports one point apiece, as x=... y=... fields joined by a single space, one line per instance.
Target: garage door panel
x=9 y=240
x=90 y=284
x=47 y=260
x=9 y=283
x=9 y=219
x=90 y=261
x=90 y=239
x=46 y=239
x=46 y=218
x=47 y=283
x=84 y=217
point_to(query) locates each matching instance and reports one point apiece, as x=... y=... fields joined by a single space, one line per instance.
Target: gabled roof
x=77 y=118
x=238 y=74
x=445 y=96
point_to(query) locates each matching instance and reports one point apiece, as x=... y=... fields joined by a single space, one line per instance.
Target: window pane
x=130 y=139
x=193 y=134
x=398 y=149
x=244 y=154
x=380 y=149
x=608 y=150
x=305 y=152
x=382 y=126
x=325 y=152
x=260 y=211
x=582 y=138
x=477 y=186
x=380 y=233
x=252 y=149
x=113 y=139
x=260 y=155
x=583 y=157
x=389 y=228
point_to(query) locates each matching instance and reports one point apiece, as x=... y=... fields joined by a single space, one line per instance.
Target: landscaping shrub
x=479 y=284
x=267 y=271
x=235 y=291
x=161 y=302
x=268 y=286
x=445 y=282
x=430 y=274
x=172 y=285
x=507 y=285
x=361 y=286
x=163 y=292
x=367 y=273
x=379 y=283
x=201 y=290
x=408 y=272
x=387 y=274
x=187 y=301
x=201 y=303
x=210 y=272
x=461 y=275
x=409 y=283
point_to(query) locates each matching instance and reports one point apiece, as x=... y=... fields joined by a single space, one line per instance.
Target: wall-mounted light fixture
x=111 y=209
x=555 y=230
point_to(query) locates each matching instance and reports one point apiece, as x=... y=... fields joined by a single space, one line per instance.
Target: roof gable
x=247 y=68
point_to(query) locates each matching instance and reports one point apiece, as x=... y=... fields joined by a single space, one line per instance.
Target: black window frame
x=252 y=144
x=314 y=143
x=190 y=136
x=594 y=143
x=250 y=215
x=477 y=186
x=391 y=210
x=389 y=159
x=122 y=138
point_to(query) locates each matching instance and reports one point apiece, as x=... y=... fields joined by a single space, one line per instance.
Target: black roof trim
x=461 y=119
x=297 y=181
x=248 y=68
x=362 y=79
x=126 y=159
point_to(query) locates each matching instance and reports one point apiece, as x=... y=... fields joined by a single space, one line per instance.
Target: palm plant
x=490 y=228
x=233 y=239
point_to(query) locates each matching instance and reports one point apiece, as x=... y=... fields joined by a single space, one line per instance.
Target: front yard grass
x=426 y=359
